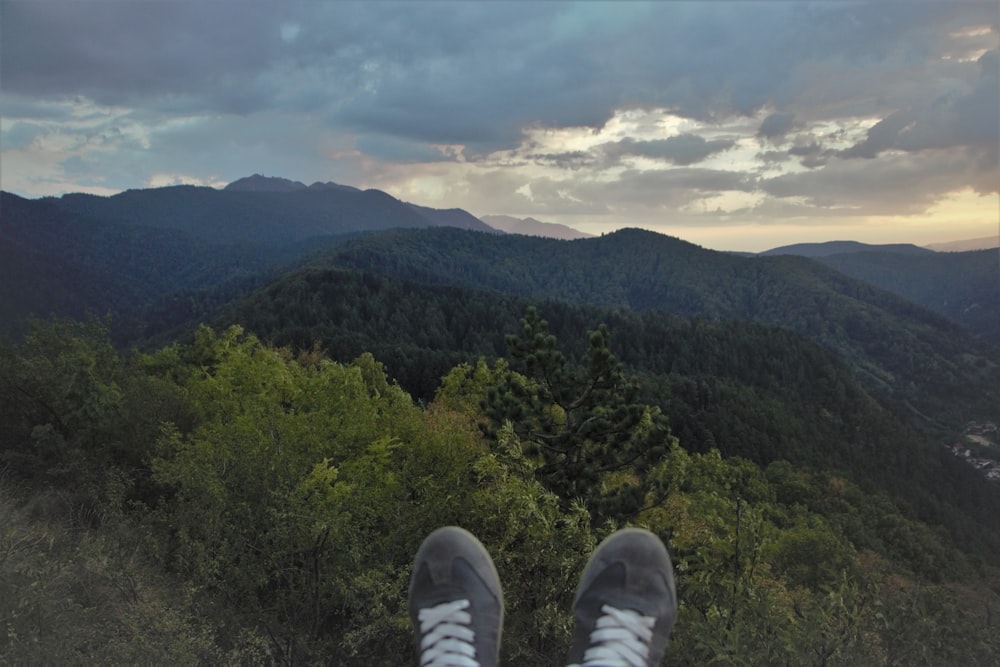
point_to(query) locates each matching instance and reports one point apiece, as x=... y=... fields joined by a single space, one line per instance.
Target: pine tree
x=592 y=440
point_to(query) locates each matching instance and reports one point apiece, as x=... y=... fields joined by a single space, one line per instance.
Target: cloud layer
x=603 y=114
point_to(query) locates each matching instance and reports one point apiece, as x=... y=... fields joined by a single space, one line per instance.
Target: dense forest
x=895 y=347
x=242 y=471
x=227 y=500
x=748 y=389
x=69 y=263
x=963 y=286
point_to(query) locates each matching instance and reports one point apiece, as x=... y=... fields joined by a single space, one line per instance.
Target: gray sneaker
x=626 y=603
x=456 y=603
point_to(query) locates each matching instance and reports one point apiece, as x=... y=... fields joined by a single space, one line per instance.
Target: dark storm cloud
x=509 y=71
x=21 y=134
x=806 y=149
x=281 y=86
x=29 y=108
x=965 y=119
x=811 y=152
x=682 y=150
x=472 y=73
x=567 y=160
x=118 y=52
x=399 y=150
x=668 y=188
x=772 y=158
x=776 y=125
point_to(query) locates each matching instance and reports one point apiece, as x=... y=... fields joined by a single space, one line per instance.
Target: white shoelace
x=446 y=638
x=619 y=639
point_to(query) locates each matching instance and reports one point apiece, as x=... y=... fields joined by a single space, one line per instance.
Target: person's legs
x=456 y=602
x=626 y=603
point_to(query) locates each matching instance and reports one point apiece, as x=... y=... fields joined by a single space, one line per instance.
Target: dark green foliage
x=584 y=424
x=62 y=400
x=747 y=389
x=268 y=500
x=289 y=493
x=419 y=334
x=67 y=263
x=964 y=286
x=896 y=348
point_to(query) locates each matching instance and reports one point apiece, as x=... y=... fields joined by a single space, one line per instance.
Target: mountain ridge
x=261 y=209
x=875 y=331
x=981 y=243
x=55 y=261
x=827 y=248
x=261 y=183
x=962 y=285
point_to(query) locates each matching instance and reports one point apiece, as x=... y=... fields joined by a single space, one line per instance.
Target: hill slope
x=982 y=243
x=124 y=254
x=57 y=261
x=897 y=347
x=963 y=286
x=748 y=389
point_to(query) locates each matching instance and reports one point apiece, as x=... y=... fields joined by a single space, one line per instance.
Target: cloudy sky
x=736 y=125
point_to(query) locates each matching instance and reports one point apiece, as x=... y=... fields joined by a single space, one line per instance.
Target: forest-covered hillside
x=146 y=256
x=920 y=358
x=828 y=248
x=228 y=501
x=248 y=477
x=964 y=286
x=59 y=262
x=262 y=216
x=748 y=389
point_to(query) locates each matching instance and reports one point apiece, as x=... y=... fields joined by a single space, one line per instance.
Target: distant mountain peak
x=983 y=243
x=330 y=185
x=829 y=248
x=261 y=183
x=532 y=227
x=451 y=217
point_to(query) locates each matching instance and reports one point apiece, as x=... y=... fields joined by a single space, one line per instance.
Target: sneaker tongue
x=439 y=592
x=607 y=588
x=613 y=587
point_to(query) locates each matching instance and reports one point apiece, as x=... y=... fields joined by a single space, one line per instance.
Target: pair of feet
x=624 y=608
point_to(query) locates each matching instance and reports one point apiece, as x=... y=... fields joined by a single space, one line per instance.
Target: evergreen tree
x=592 y=440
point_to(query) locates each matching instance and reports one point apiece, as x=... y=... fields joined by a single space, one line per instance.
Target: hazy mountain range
x=118 y=254
x=983 y=243
x=842 y=247
x=532 y=227
x=131 y=254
